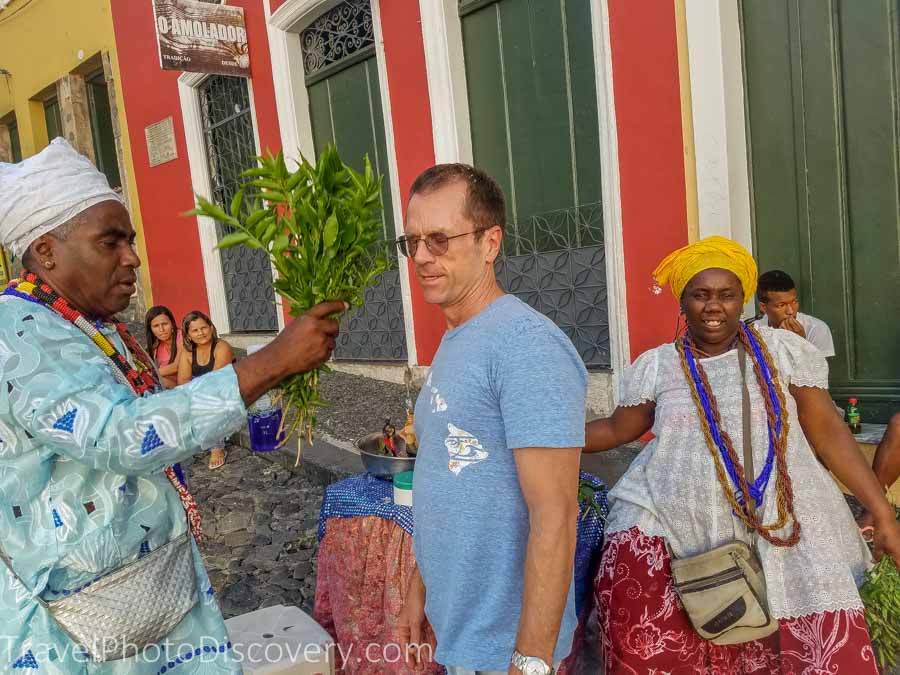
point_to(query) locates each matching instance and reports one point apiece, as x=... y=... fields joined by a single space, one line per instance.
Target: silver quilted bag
x=133 y=606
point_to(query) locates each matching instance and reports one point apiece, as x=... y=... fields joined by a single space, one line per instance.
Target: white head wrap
x=42 y=192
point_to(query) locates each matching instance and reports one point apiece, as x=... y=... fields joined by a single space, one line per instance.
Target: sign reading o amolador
x=201 y=37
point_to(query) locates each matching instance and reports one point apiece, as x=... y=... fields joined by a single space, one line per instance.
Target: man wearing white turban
x=46 y=191
x=86 y=437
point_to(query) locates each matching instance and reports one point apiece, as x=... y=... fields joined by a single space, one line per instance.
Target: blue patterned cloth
x=365 y=495
x=83 y=490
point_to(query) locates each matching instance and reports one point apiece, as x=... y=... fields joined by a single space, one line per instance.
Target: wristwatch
x=530 y=665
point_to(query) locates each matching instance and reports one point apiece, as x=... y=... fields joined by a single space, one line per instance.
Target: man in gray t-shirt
x=500 y=424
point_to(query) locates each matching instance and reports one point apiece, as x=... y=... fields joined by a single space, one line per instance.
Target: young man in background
x=780 y=308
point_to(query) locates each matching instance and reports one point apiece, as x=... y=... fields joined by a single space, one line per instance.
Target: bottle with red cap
x=853 y=419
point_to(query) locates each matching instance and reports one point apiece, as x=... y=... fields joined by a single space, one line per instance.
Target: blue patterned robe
x=83 y=489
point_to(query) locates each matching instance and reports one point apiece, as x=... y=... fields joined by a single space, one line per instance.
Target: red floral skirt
x=644 y=629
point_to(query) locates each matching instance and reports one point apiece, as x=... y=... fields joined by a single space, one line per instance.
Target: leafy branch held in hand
x=880 y=594
x=321 y=227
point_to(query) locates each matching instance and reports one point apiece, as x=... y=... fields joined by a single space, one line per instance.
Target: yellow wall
x=43 y=40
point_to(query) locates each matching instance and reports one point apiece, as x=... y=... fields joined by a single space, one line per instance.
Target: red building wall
x=165 y=191
x=651 y=159
x=650 y=146
x=411 y=112
x=262 y=84
x=151 y=94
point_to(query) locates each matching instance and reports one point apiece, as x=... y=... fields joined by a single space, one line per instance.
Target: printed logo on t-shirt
x=464 y=449
x=438 y=404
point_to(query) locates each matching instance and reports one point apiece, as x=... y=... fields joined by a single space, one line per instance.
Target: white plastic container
x=281 y=640
x=403 y=495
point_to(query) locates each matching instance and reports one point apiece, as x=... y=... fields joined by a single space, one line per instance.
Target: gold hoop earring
x=48 y=264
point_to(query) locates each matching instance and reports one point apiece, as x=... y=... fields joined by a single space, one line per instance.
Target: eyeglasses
x=437 y=243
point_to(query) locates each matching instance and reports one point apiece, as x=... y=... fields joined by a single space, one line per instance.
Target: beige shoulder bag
x=723 y=590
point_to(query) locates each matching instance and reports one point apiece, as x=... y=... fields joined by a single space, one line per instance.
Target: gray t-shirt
x=507 y=378
x=817 y=332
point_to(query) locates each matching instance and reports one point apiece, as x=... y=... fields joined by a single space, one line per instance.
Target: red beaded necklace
x=140 y=376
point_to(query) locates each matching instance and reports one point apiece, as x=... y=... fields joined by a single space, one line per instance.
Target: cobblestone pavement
x=260 y=523
x=359 y=405
x=260 y=519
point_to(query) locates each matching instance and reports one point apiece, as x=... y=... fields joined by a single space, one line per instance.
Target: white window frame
x=613 y=241
x=292 y=102
x=445 y=62
x=717 y=107
x=447 y=86
x=189 y=95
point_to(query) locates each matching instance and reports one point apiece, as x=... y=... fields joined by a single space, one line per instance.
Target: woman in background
x=203 y=353
x=163 y=343
x=687 y=493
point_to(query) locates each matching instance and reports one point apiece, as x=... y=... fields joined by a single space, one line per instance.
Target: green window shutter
x=15 y=142
x=535 y=128
x=53 y=119
x=533 y=101
x=345 y=110
x=822 y=95
x=102 y=129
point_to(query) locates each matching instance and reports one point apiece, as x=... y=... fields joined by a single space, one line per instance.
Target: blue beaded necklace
x=758 y=486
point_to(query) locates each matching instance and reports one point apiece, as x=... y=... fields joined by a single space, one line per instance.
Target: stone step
x=323 y=463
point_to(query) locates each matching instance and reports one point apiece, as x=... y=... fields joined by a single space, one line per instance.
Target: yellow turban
x=711 y=253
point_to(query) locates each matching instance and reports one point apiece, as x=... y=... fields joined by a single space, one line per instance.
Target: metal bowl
x=380 y=465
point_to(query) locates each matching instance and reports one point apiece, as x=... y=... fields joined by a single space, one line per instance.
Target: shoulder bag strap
x=745 y=414
x=749 y=471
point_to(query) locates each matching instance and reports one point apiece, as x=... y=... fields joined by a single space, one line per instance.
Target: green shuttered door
x=822 y=100
x=53 y=119
x=15 y=142
x=533 y=110
x=102 y=129
x=345 y=110
x=533 y=101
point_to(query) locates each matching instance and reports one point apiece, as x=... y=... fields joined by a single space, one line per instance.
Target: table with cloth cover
x=365 y=560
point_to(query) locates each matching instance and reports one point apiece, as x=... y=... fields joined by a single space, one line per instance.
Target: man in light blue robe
x=83 y=489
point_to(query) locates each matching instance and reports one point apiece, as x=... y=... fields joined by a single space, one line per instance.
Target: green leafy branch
x=587 y=497
x=321 y=227
x=881 y=597
x=880 y=594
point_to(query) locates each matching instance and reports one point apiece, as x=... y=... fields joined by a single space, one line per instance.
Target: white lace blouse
x=671 y=489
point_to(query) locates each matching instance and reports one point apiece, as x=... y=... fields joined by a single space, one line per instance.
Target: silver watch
x=530 y=665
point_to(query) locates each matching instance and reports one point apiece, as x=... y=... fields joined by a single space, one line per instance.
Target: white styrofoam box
x=281 y=640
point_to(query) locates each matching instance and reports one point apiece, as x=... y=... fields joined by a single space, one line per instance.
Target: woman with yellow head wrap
x=679 y=267
x=685 y=493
